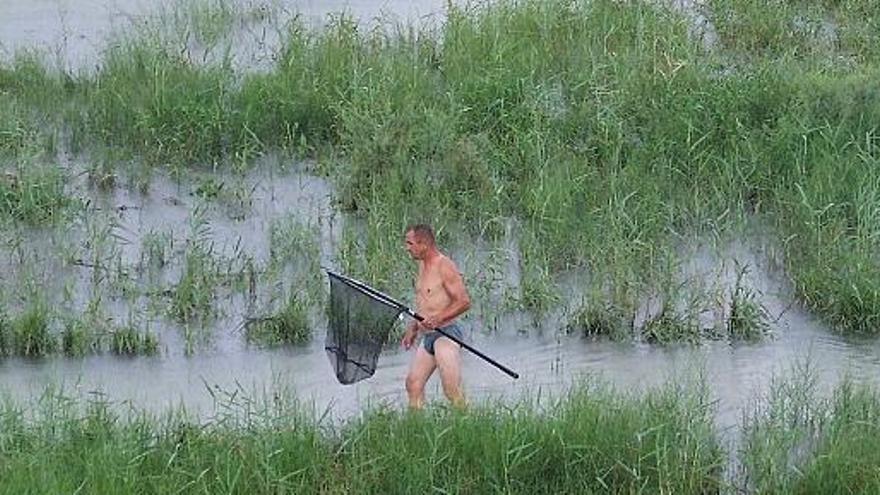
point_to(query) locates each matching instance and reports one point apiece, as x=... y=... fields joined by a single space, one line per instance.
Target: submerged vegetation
x=608 y=133
x=38 y=330
x=289 y=326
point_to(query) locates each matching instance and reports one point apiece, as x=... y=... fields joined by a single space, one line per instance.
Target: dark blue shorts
x=433 y=335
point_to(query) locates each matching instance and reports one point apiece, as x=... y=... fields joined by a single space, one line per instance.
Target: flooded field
x=127 y=243
x=108 y=245
x=641 y=206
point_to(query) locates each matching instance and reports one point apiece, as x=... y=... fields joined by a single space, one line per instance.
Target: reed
x=290 y=325
x=194 y=293
x=798 y=440
x=748 y=319
x=130 y=341
x=31 y=330
x=34 y=195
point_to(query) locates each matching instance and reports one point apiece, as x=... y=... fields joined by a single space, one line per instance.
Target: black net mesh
x=359 y=326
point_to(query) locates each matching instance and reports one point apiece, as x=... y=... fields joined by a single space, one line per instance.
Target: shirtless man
x=440 y=298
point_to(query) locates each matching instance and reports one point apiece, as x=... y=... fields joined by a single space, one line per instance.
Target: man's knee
x=414 y=384
x=449 y=365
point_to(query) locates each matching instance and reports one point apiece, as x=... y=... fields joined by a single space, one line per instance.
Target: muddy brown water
x=547 y=360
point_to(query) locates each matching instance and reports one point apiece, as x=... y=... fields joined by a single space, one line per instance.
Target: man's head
x=419 y=240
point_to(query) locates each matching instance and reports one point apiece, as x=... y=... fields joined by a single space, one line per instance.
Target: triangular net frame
x=359 y=326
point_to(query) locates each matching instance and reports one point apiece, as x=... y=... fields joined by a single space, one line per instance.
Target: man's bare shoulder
x=448 y=267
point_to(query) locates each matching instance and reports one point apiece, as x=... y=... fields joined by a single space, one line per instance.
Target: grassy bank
x=602 y=128
x=595 y=439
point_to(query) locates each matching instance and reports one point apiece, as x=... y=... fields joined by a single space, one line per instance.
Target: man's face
x=414 y=245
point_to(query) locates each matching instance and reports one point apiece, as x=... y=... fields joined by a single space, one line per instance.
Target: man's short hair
x=422 y=231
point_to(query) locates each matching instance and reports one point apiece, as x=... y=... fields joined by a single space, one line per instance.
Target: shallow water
x=736 y=374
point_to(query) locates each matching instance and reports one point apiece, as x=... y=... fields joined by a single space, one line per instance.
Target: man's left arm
x=459 y=300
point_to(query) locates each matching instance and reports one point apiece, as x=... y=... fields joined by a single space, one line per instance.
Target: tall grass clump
x=31 y=331
x=154 y=97
x=846 y=456
x=594 y=441
x=84 y=333
x=18 y=134
x=295 y=255
x=797 y=441
x=748 y=319
x=41 y=92
x=152 y=101
x=830 y=210
x=774 y=28
x=63 y=444
x=194 y=294
x=128 y=340
x=673 y=310
x=34 y=194
x=598 y=317
x=779 y=431
x=5 y=334
x=290 y=325
x=828 y=32
x=296 y=106
x=295 y=259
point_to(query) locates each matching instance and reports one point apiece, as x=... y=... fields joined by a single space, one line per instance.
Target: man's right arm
x=409 y=336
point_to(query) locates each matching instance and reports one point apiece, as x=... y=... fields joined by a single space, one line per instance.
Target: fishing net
x=360 y=322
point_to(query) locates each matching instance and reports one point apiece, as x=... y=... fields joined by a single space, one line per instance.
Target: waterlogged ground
x=126 y=244
x=198 y=361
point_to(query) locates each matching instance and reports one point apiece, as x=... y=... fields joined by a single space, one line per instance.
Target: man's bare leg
x=423 y=364
x=448 y=356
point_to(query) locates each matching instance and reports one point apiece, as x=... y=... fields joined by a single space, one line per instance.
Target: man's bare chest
x=429 y=285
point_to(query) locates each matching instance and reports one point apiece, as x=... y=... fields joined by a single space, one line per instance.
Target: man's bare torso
x=431 y=295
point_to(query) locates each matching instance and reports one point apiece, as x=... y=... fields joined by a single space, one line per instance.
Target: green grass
x=289 y=325
x=817 y=29
x=17 y=133
x=592 y=439
x=748 y=319
x=295 y=257
x=595 y=440
x=35 y=194
x=595 y=318
x=845 y=459
x=799 y=441
x=128 y=340
x=193 y=296
x=31 y=332
x=41 y=329
x=5 y=334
